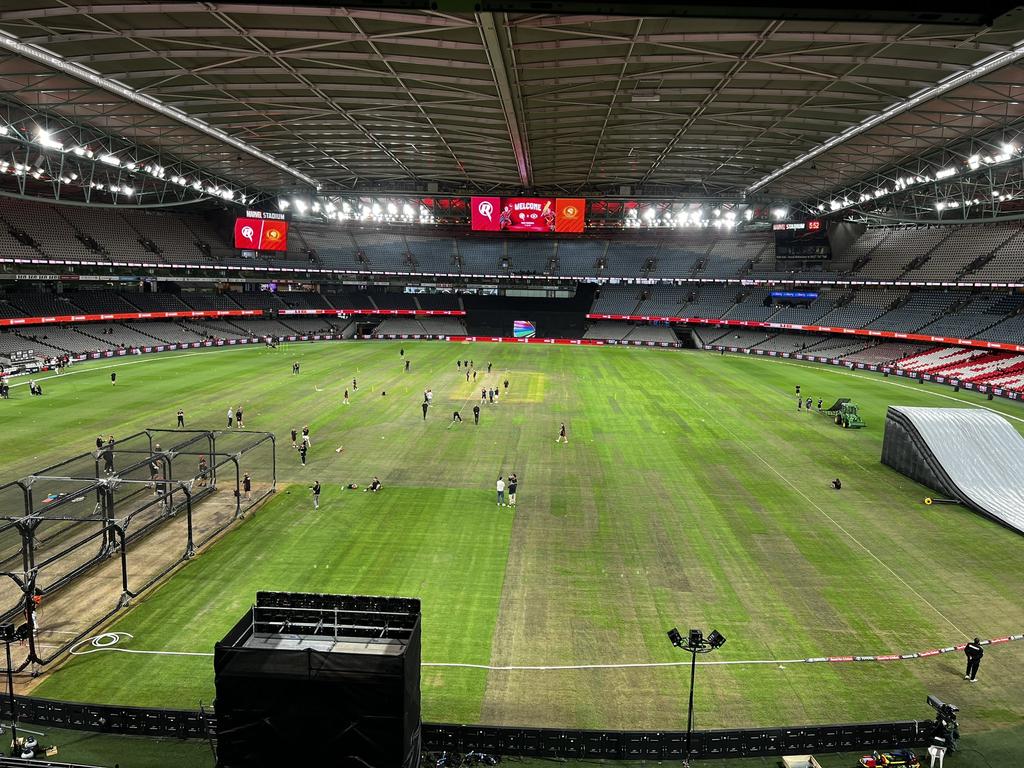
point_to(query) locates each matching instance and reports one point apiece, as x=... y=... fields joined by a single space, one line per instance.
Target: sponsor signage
x=261 y=234
x=16 y=321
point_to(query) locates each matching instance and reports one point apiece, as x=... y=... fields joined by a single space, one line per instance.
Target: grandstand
x=621 y=222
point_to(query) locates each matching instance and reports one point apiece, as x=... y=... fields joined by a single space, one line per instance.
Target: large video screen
x=261 y=234
x=528 y=214
x=807 y=241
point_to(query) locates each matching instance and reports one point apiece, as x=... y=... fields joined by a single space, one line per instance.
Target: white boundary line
x=108 y=641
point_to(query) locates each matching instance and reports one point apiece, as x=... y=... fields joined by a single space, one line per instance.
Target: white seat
x=937 y=752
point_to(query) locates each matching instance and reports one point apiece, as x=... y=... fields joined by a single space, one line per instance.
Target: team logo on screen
x=570 y=211
x=486 y=209
x=247 y=233
x=273 y=234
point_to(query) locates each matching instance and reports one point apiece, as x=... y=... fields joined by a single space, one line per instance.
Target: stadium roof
x=362 y=98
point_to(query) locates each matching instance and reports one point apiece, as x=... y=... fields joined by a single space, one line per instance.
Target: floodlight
x=716 y=212
x=4 y=130
x=716 y=639
x=45 y=139
x=675 y=638
x=110 y=160
x=392 y=209
x=346 y=207
x=407 y=210
x=779 y=213
x=283 y=204
x=696 y=638
x=649 y=214
x=1009 y=149
x=375 y=209
x=749 y=214
x=128 y=191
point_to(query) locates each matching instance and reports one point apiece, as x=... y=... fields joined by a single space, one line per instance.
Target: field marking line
x=150 y=358
x=108 y=641
x=827 y=516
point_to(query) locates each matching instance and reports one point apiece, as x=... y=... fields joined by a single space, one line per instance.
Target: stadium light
x=300 y=206
x=45 y=139
x=392 y=209
x=779 y=213
x=649 y=214
x=749 y=214
x=283 y=204
x=694 y=643
x=110 y=160
x=128 y=191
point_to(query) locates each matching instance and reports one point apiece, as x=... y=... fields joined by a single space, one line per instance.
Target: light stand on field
x=695 y=643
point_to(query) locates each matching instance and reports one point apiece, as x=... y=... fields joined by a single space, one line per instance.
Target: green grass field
x=691 y=493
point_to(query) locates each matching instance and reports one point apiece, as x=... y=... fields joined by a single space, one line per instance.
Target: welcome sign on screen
x=527 y=214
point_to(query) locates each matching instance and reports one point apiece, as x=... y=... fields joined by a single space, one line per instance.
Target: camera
x=945 y=731
x=946 y=711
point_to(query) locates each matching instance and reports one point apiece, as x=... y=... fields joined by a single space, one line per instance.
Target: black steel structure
x=65 y=522
x=342 y=670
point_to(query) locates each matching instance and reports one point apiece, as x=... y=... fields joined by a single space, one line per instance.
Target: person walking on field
x=501 y=491
x=305 y=436
x=476 y=414
x=247 y=486
x=973 y=651
x=113 y=378
x=425 y=406
x=315 y=488
x=181 y=418
x=238 y=417
x=562 y=437
x=345 y=401
x=513 y=484
x=231 y=417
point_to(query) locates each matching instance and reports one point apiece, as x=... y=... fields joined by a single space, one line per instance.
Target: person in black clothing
x=247 y=486
x=315 y=488
x=238 y=418
x=406 y=366
x=798 y=390
x=458 y=364
x=181 y=418
x=374 y=486
x=476 y=414
x=488 y=367
x=973 y=651
x=99 y=442
x=474 y=375
x=819 y=403
x=401 y=352
x=425 y=406
x=799 y=403
x=113 y=378
x=467 y=374
x=355 y=386
x=513 y=484
x=108 y=459
x=456 y=416
x=303 y=447
x=506 y=385
x=837 y=484
x=295 y=437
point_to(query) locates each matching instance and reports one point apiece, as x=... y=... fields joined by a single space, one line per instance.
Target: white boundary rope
x=108 y=641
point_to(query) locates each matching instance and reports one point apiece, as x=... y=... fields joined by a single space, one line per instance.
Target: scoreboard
x=802 y=241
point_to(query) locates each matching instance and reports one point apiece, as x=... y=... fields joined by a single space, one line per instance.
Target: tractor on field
x=847 y=415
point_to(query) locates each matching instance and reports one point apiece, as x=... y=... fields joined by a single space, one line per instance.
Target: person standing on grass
x=181 y=418
x=562 y=437
x=315 y=488
x=506 y=385
x=203 y=469
x=513 y=483
x=425 y=405
x=808 y=404
x=305 y=436
x=476 y=414
x=231 y=417
x=355 y=386
x=238 y=417
x=113 y=378
x=501 y=491
x=458 y=364
x=474 y=375
x=345 y=401
x=295 y=438
x=467 y=374
x=302 y=452
x=488 y=367
x=406 y=366
x=483 y=395
x=973 y=651
x=247 y=486
x=819 y=405
x=99 y=442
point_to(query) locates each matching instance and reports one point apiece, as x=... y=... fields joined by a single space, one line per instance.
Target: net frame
x=93 y=518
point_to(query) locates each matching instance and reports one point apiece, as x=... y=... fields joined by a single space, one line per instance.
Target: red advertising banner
x=569 y=214
x=62 y=319
x=261 y=234
x=418 y=312
x=527 y=214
